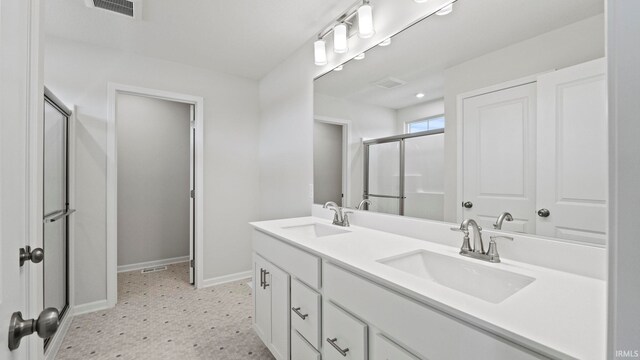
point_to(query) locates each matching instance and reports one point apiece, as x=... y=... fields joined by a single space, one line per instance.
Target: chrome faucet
x=504 y=216
x=341 y=216
x=362 y=203
x=477 y=252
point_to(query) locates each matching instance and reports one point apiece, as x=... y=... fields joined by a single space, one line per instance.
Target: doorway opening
x=331 y=160
x=154 y=177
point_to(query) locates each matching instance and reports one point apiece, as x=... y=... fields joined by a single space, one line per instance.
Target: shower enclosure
x=404 y=174
x=56 y=204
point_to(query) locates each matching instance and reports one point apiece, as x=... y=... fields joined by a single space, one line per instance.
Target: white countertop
x=560 y=314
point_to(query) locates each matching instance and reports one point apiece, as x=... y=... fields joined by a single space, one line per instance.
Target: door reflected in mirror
x=474 y=114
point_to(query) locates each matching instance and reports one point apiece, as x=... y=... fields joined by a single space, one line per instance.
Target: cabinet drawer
x=345 y=337
x=300 y=348
x=296 y=262
x=305 y=312
x=388 y=350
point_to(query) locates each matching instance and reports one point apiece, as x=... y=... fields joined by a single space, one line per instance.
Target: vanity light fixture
x=320 y=52
x=339 y=68
x=445 y=10
x=341 y=30
x=420 y=95
x=340 y=38
x=359 y=56
x=385 y=42
x=365 y=21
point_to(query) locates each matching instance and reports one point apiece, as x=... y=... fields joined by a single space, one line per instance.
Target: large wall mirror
x=498 y=106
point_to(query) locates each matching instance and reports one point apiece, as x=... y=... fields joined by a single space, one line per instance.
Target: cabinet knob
x=544 y=213
x=467 y=204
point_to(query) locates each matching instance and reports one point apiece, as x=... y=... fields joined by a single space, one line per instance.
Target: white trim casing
x=112 y=179
x=227 y=278
x=346 y=160
x=148 y=264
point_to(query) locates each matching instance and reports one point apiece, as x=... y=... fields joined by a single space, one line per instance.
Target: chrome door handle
x=335 y=346
x=58 y=216
x=45 y=325
x=35 y=256
x=265 y=285
x=544 y=213
x=297 y=311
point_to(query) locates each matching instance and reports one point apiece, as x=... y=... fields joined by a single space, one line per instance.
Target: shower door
x=382 y=176
x=55 y=204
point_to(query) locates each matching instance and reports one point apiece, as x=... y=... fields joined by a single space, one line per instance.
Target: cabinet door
x=278 y=281
x=345 y=336
x=388 y=350
x=261 y=300
x=301 y=349
x=572 y=153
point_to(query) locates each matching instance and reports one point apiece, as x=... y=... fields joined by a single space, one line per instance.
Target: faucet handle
x=492 y=251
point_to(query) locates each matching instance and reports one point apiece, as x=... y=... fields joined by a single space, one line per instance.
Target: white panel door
x=572 y=153
x=261 y=300
x=192 y=195
x=278 y=281
x=499 y=157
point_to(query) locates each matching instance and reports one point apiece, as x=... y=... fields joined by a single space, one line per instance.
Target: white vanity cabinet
x=271 y=306
x=352 y=317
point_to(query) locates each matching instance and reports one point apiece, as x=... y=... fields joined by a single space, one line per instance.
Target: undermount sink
x=316 y=230
x=481 y=281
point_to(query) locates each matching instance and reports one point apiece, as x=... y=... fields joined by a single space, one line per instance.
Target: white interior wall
x=153 y=179
x=79 y=73
x=539 y=54
x=624 y=170
x=367 y=122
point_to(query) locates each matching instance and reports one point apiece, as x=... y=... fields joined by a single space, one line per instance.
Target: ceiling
x=241 y=37
x=421 y=54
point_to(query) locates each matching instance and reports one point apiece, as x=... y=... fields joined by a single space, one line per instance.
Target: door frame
x=460 y=126
x=113 y=89
x=346 y=136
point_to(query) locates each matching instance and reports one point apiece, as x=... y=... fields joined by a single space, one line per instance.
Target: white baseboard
x=144 y=265
x=90 y=307
x=56 y=342
x=226 y=278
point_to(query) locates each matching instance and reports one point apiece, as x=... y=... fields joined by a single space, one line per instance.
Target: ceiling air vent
x=129 y=8
x=389 y=83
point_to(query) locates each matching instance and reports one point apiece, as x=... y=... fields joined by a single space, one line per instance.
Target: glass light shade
x=339 y=68
x=340 y=39
x=360 y=56
x=385 y=42
x=365 y=21
x=320 y=52
x=445 y=10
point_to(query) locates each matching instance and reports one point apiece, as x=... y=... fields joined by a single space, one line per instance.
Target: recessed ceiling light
x=360 y=56
x=338 y=68
x=385 y=42
x=419 y=95
x=445 y=10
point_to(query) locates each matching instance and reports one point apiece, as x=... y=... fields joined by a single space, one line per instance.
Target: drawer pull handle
x=335 y=346
x=262 y=278
x=297 y=311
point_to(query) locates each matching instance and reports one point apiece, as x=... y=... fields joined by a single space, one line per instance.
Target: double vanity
x=323 y=291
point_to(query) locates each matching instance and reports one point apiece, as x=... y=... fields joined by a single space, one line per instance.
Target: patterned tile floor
x=160 y=316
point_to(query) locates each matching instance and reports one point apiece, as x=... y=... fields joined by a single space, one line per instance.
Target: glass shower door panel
x=424 y=177
x=384 y=169
x=55 y=203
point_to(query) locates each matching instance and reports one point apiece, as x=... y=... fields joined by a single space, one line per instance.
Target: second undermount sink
x=316 y=230
x=481 y=281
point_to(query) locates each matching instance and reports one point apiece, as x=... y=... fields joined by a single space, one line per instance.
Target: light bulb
x=320 y=52
x=340 y=39
x=445 y=10
x=359 y=56
x=385 y=42
x=365 y=21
